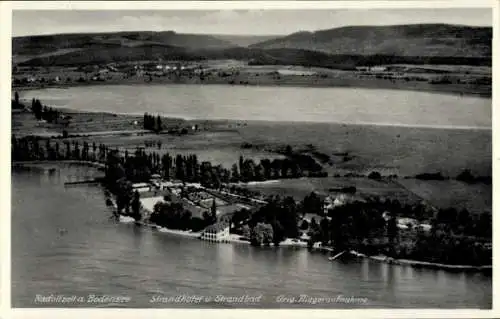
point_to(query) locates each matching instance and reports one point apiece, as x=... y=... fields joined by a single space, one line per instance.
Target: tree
x=213 y=210
x=136 y=206
x=16 y=98
x=158 y=126
x=324 y=231
x=145 y=121
x=262 y=233
x=304 y=225
x=312 y=204
x=235 y=175
x=123 y=195
x=288 y=217
x=374 y=175
x=245 y=231
x=57 y=150
x=207 y=218
x=37 y=109
x=466 y=176
x=392 y=230
x=314 y=225
x=114 y=169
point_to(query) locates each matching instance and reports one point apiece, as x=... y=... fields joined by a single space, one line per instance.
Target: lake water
x=99 y=256
x=338 y=105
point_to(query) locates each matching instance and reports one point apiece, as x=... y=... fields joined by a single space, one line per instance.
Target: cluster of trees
x=153 y=144
x=467 y=177
x=463 y=223
x=280 y=215
x=139 y=166
x=361 y=226
x=152 y=123
x=43 y=112
x=442 y=247
x=173 y=215
x=15 y=102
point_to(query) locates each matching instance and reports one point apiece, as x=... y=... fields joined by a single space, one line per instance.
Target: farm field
x=299 y=188
x=475 y=198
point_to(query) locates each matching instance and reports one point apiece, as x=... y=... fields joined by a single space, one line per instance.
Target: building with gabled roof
x=218 y=232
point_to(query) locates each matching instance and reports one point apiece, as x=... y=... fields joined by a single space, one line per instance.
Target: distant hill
x=34 y=46
x=342 y=48
x=431 y=40
x=245 y=40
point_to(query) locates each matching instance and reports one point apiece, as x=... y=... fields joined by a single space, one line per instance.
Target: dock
x=85 y=182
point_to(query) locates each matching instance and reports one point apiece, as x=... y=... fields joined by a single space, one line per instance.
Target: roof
x=137 y=185
x=406 y=220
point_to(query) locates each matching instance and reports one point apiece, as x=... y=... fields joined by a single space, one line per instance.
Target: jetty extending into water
x=85 y=182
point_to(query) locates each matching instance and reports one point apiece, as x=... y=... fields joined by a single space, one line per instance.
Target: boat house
x=218 y=232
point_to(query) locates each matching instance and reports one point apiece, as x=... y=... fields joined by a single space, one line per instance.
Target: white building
x=317 y=245
x=141 y=187
x=339 y=200
x=378 y=69
x=405 y=222
x=218 y=232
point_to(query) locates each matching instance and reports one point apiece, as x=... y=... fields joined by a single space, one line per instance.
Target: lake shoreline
x=286 y=81
x=96 y=115
x=421 y=264
x=376 y=258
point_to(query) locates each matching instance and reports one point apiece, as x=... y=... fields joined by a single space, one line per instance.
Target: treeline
x=15 y=103
x=465 y=176
x=350 y=62
x=295 y=165
x=36 y=148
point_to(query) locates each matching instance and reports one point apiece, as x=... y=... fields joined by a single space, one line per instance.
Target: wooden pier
x=85 y=182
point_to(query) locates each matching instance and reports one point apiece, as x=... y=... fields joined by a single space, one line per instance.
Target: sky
x=235 y=22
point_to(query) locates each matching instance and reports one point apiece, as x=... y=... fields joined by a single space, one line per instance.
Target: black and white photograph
x=259 y=158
